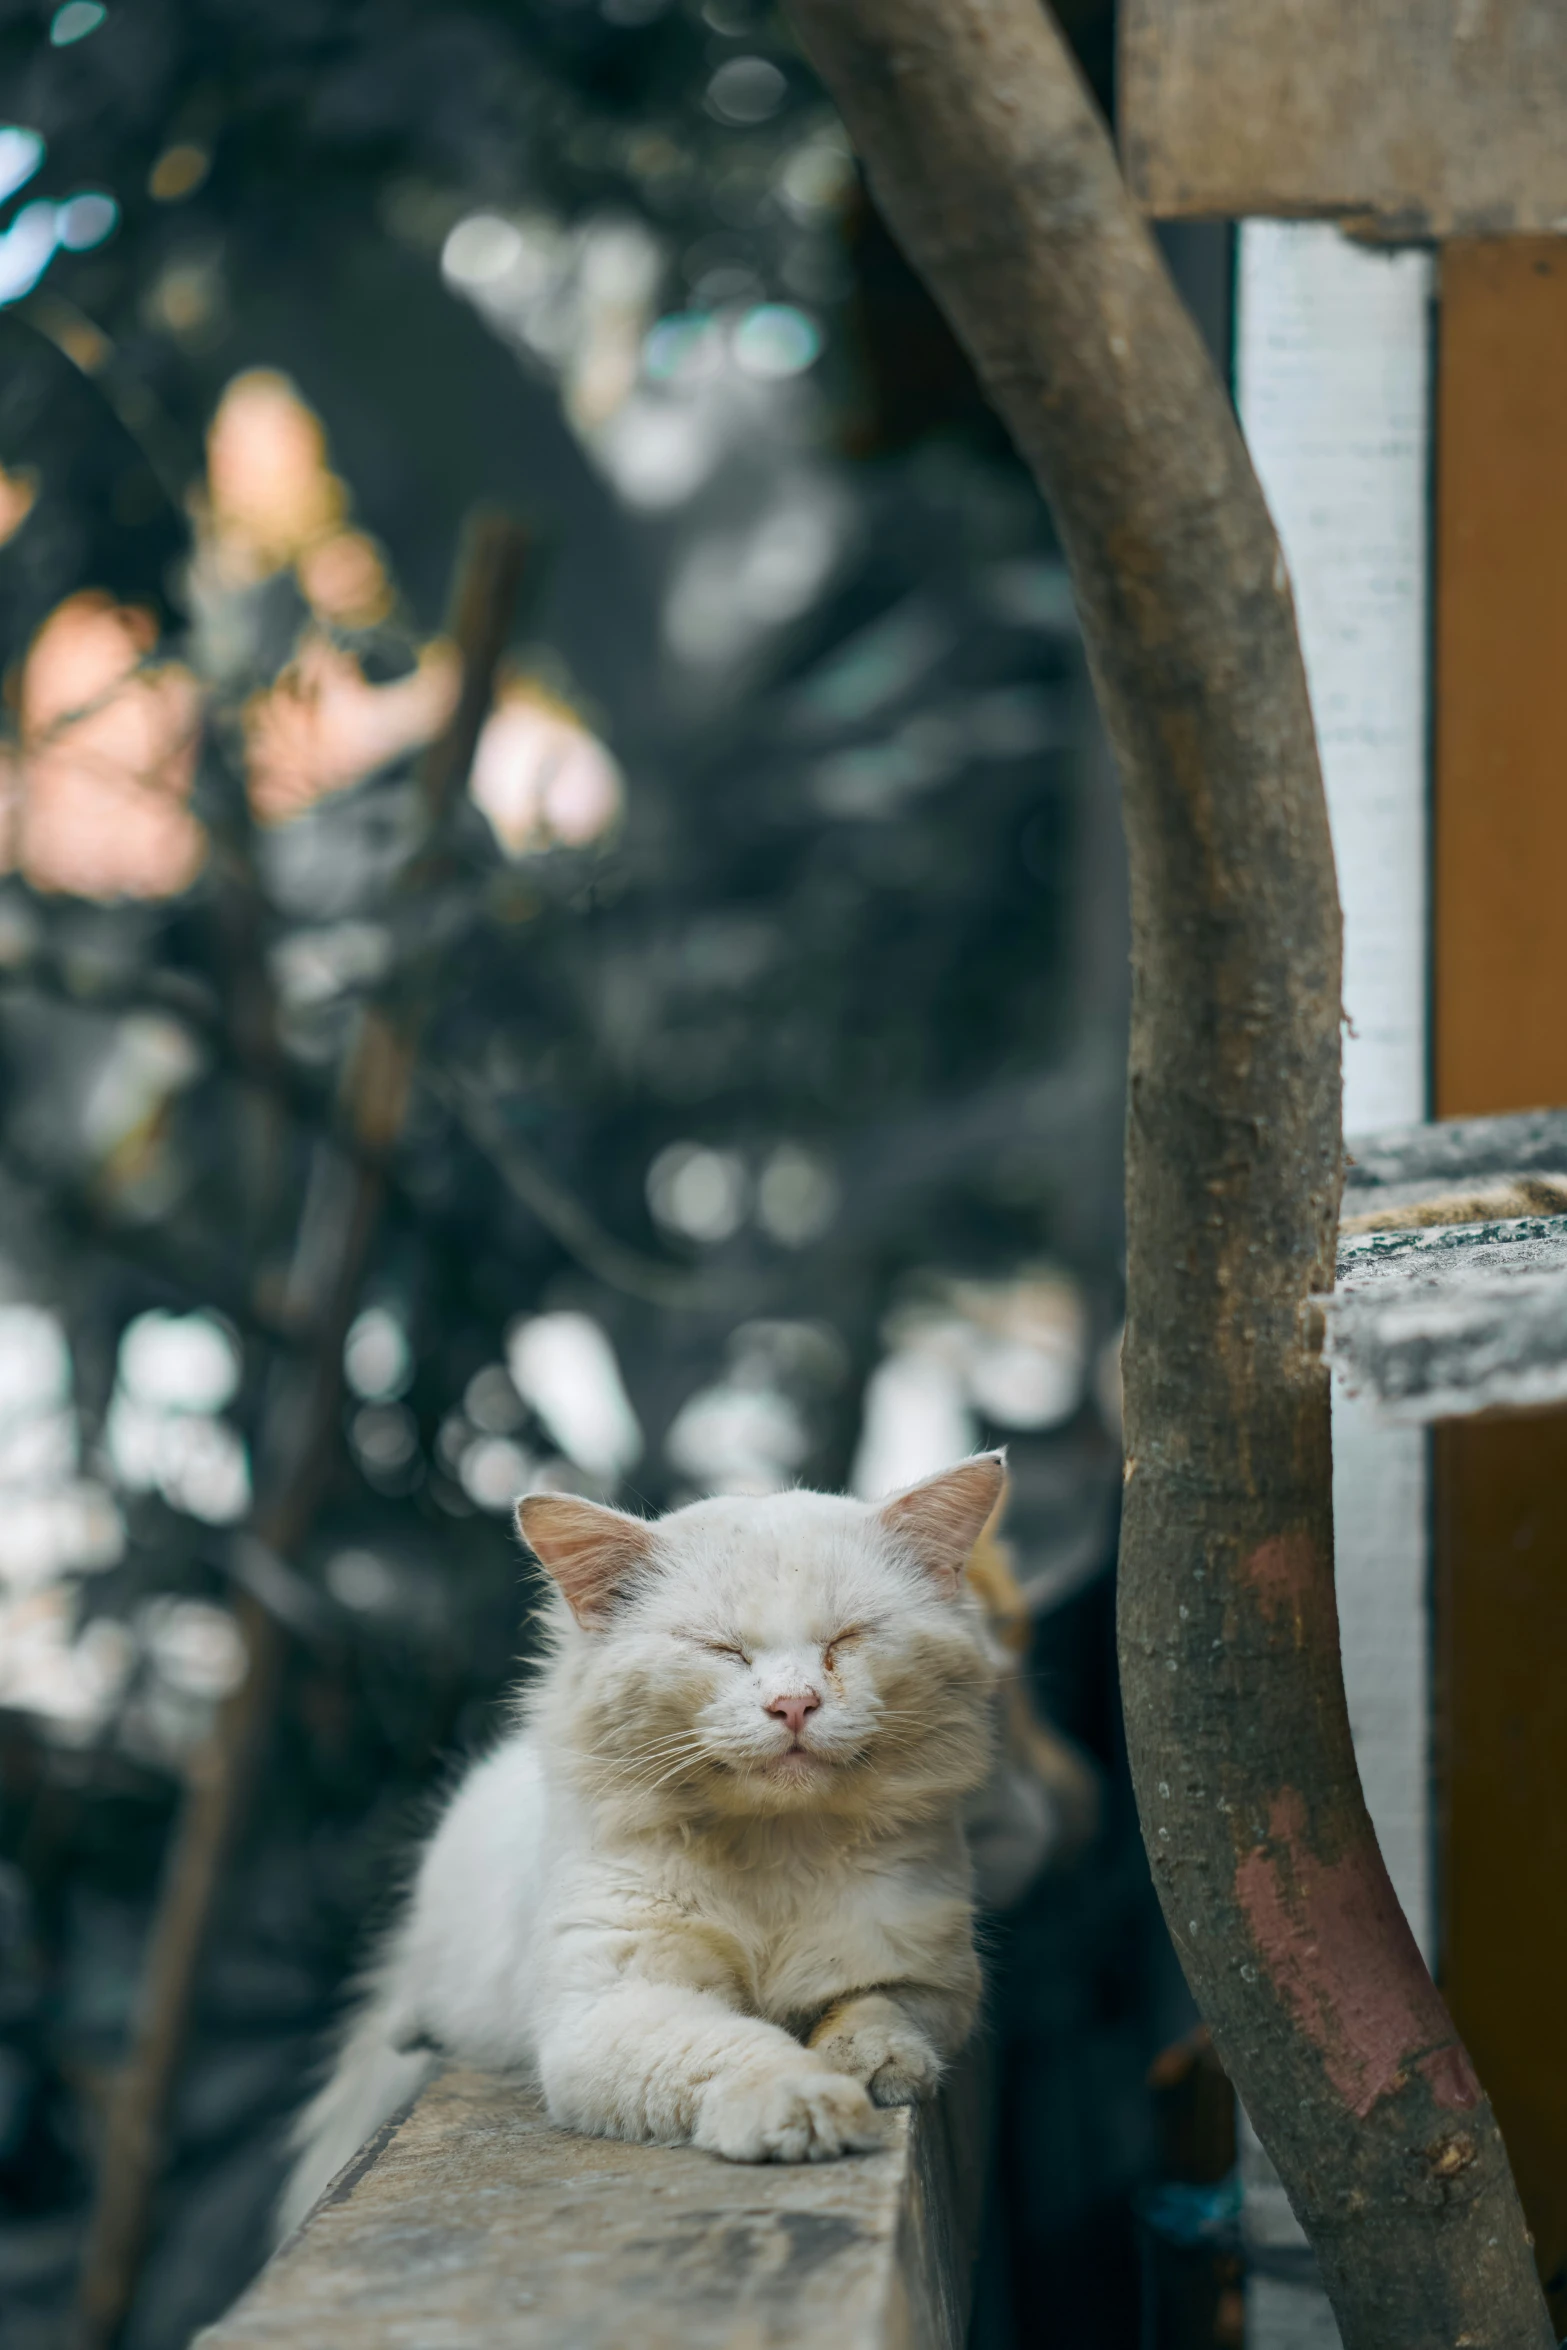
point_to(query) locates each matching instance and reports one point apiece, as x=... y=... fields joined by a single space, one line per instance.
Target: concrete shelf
x=470 y=2223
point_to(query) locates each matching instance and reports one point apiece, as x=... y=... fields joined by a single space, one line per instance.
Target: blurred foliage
x=769 y=981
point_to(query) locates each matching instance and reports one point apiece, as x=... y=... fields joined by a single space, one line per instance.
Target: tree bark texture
x=993 y=169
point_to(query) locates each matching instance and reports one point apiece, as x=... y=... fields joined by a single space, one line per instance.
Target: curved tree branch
x=994 y=171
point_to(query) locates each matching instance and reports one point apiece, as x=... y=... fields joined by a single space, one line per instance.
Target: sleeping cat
x=713 y=1887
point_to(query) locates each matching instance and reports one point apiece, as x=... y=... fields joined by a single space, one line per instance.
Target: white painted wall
x=1332 y=380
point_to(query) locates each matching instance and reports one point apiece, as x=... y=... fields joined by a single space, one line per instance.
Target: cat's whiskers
x=654 y=1765
x=650 y=1746
x=658 y=1764
x=651 y=1764
x=666 y=1741
x=642 y=1789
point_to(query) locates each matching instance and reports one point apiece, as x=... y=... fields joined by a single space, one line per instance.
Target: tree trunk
x=986 y=155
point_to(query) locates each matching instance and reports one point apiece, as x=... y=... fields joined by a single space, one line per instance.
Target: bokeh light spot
x=86 y=220
x=93 y=804
x=682 y=348
x=494 y=1471
x=359 y=1580
x=540 y=777
x=18 y=496
x=745 y=91
x=179 y=1362
x=21 y=152
x=817 y=178
x=776 y=340
x=378 y=1361
x=796 y=1196
x=700 y=1193
x=482 y=249
x=178 y=173
x=345 y=580
x=26 y=250
x=323 y=726
x=270 y=488
x=566 y=1368
x=35 y=1362
x=75 y=21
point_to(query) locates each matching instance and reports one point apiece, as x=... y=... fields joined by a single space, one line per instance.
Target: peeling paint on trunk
x=1283 y=1573
x=1340 y=1952
x=1452 y=2077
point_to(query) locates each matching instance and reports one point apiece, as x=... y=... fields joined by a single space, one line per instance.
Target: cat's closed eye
x=843 y=1639
x=726 y=1648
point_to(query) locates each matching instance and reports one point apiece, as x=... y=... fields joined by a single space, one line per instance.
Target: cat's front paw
x=887 y=2052
x=794 y=2115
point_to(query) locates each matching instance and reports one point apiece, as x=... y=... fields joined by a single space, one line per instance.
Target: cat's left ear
x=941 y=1519
x=588 y=1550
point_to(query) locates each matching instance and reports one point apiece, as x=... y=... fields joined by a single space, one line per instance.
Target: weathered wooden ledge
x=1453 y=1150
x=472 y=2224
x=1456 y=1323
x=1459 y=1320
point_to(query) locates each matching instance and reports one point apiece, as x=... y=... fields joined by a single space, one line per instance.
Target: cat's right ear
x=588 y=1550
x=940 y=1520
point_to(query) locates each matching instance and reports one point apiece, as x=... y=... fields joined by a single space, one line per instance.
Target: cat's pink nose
x=794 y=1711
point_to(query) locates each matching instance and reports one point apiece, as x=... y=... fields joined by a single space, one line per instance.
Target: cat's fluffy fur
x=687 y=1917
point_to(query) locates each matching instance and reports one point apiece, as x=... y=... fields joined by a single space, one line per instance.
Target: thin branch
x=574 y=1226
x=50 y=319
x=494 y=557
x=79 y=1215
x=299 y=1440
x=269 y=1075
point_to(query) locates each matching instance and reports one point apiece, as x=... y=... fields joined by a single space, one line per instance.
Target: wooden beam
x=1412 y=118
x=1502 y=1618
x=471 y=2222
x=1501 y=853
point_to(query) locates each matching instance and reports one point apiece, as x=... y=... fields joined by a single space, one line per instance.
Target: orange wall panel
x=1501 y=1044
x=1501 y=672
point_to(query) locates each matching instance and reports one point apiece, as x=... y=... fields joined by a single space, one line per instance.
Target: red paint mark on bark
x=1340 y=1953
x=1452 y=2077
x=1282 y=1572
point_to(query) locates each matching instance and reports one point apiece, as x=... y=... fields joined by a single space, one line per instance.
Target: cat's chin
x=795 y=1780
x=789 y=1780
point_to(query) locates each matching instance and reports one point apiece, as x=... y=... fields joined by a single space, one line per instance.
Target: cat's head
x=796 y=1653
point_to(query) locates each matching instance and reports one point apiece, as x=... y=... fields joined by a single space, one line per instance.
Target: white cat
x=714 y=1886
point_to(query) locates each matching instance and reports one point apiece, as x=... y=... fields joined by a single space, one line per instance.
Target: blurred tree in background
x=760 y=1000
